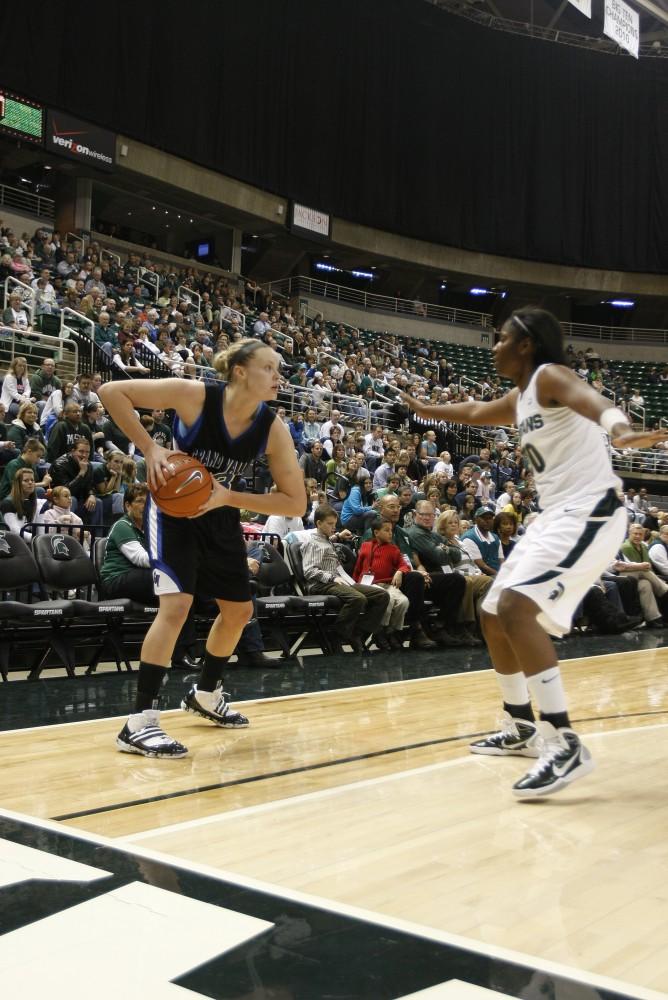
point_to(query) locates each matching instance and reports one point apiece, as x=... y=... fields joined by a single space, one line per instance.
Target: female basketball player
x=568 y=546
x=226 y=425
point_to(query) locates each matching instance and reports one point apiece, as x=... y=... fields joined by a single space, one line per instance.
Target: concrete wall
x=23 y=223
x=430 y=329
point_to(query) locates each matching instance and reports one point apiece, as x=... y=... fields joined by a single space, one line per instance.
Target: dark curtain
x=390 y=113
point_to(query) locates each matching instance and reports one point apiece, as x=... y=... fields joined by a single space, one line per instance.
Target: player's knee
x=173 y=612
x=490 y=624
x=514 y=610
x=236 y=614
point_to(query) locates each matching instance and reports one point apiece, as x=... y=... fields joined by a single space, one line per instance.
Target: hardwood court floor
x=368 y=796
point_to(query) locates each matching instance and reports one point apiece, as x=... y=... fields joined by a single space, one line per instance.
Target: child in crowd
x=380 y=562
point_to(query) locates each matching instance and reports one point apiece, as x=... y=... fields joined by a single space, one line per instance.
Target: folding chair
x=64 y=566
x=26 y=625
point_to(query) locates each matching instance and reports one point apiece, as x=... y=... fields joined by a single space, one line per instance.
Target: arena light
x=363 y=274
x=479 y=291
x=621 y=303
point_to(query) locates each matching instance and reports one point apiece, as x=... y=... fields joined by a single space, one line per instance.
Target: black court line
x=315 y=767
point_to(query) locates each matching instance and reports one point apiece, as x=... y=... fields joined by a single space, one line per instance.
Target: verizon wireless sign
x=78 y=140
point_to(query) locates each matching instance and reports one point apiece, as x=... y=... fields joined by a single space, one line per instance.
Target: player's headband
x=522 y=325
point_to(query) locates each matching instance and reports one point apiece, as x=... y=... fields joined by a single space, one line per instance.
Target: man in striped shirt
x=362 y=607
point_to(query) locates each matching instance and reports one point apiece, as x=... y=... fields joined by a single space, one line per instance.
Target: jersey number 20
x=533 y=457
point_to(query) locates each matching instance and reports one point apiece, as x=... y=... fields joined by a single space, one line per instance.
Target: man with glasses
x=445 y=588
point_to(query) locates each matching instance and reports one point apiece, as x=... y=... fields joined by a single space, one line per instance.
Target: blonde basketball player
x=576 y=536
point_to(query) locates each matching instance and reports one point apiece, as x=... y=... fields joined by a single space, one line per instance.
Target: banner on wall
x=79 y=140
x=584 y=6
x=622 y=24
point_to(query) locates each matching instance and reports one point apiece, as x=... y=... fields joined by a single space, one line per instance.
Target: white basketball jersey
x=566 y=452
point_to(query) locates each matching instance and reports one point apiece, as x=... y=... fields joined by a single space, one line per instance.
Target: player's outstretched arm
x=559 y=386
x=121 y=398
x=496 y=412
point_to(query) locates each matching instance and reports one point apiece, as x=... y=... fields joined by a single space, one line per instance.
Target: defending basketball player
x=226 y=425
x=560 y=421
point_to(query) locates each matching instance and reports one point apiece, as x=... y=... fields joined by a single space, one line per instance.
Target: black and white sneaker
x=516 y=738
x=142 y=734
x=563 y=759
x=214 y=706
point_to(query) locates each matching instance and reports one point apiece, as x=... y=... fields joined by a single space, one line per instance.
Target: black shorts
x=205 y=555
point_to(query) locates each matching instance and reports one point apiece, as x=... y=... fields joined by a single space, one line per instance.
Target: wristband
x=612 y=416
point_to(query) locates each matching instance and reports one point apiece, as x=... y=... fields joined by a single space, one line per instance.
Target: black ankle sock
x=149 y=682
x=520 y=711
x=559 y=720
x=212 y=671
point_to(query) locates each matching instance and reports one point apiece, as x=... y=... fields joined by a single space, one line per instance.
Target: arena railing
x=81 y=327
x=633 y=462
x=284 y=339
x=389 y=348
x=231 y=313
x=636 y=413
x=378 y=303
x=63 y=350
x=25 y=201
x=116 y=257
x=184 y=292
x=464 y=317
x=152 y=282
x=74 y=238
x=616 y=334
x=300 y=397
x=465 y=381
x=27 y=294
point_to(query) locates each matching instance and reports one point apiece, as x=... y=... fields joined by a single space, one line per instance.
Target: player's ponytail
x=236 y=354
x=545 y=332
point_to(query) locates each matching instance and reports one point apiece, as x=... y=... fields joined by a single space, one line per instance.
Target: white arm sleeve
x=136 y=554
x=659 y=559
x=470 y=546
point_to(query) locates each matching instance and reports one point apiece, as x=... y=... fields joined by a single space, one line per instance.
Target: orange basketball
x=187 y=488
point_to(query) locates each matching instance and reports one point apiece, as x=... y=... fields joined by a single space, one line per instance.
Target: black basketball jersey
x=208 y=439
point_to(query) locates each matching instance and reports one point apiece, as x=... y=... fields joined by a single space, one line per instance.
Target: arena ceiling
x=559 y=21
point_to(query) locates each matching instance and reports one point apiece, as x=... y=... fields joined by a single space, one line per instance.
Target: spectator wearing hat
x=483 y=546
x=485 y=489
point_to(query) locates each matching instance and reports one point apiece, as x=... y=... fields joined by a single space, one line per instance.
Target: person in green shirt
x=652 y=591
x=45 y=380
x=392 y=487
x=29 y=458
x=126 y=569
x=634 y=548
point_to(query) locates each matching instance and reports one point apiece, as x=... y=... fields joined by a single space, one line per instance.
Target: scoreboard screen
x=21 y=118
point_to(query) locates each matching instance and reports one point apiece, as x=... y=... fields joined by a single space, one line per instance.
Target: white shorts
x=559 y=558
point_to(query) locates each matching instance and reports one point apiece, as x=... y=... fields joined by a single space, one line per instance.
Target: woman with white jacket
x=16 y=387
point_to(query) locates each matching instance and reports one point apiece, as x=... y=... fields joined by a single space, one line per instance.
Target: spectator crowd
x=407 y=520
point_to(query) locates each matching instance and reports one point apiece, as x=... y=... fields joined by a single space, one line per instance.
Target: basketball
x=187 y=488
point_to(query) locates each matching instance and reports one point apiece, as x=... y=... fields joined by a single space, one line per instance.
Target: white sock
x=207 y=699
x=548 y=692
x=136 y=721
x=514 y=688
